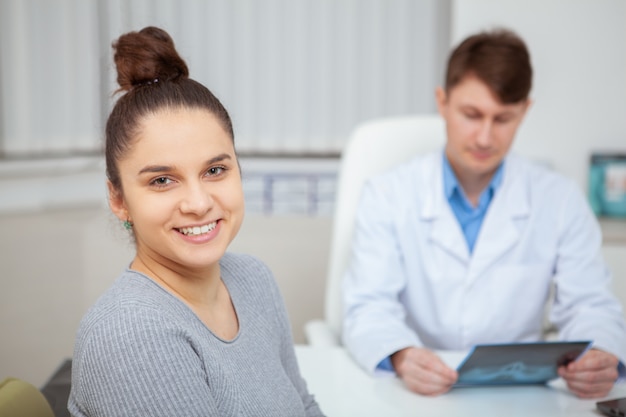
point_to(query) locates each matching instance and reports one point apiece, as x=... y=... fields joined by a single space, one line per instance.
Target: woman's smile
x=197 y=230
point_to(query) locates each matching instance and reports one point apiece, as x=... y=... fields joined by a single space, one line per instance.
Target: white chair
x=373 y=147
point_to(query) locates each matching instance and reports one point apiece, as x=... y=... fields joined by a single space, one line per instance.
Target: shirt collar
x=451 y=183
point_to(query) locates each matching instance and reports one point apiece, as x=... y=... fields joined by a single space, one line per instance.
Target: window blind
x=296 y=75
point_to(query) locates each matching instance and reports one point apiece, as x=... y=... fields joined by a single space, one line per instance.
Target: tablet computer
x=517 y=363
x=616 y=407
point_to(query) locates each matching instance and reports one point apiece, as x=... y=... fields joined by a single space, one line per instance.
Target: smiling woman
x=187 y=329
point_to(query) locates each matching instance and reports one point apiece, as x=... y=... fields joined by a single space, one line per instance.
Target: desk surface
x=342 y=389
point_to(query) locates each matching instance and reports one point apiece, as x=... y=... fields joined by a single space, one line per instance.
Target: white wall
x=578 y=50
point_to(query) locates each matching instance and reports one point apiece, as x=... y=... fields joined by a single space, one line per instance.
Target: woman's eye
x=161 y=181
x=215 y=171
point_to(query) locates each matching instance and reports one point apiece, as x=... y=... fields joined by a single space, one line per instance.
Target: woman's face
x=181 y=190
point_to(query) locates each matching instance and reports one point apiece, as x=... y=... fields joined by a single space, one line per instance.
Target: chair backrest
x=19 y=398
x=373 y=147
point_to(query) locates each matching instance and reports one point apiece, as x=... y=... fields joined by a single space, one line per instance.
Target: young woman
x=187 y=329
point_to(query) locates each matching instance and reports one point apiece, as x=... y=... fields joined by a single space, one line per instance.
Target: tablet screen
x=517 y=363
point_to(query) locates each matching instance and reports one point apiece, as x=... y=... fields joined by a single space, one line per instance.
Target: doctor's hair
x=152 y=77
x=499 y=58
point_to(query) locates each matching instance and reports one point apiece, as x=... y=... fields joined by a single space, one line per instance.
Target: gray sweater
x=140 y=351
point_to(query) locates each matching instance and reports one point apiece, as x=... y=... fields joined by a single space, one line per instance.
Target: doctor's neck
x=474 y=183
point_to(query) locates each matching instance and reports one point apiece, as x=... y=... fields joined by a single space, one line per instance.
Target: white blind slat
x=296 y=75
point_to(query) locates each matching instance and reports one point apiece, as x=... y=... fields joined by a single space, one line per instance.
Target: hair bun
x=147 y=57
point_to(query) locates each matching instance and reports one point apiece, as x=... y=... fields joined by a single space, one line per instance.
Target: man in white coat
x=467 y=246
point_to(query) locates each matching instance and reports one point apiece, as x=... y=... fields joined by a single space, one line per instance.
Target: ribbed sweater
x=140 y=351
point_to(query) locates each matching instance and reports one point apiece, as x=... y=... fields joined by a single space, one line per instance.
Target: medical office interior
x=297 y=76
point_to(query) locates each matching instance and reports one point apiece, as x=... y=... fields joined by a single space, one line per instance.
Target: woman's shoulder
x=132 y=300
x=130 y=288
x=249 y=274
x=243 y=263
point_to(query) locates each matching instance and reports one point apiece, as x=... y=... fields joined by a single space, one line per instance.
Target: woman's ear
x=116 y=202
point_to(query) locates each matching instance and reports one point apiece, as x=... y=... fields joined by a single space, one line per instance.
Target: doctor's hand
x=423 y=371
x=592 y=375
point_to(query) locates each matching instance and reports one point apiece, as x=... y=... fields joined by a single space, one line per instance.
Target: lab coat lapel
x=445 y=230
x=499 y=231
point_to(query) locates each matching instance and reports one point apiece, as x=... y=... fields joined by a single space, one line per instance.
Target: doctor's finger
x=592 y=360
x=589 y=390
x=438 y=376
x=427 y=383
x=590 y=376
x=433 y=363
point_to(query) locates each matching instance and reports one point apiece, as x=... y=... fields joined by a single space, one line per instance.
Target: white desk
x=342 y=389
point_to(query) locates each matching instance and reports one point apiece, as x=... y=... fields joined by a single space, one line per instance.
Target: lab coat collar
x=503 y=225
x=499 y=231
x=445 y=229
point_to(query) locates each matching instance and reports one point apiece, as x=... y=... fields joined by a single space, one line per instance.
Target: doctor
x=468 y=246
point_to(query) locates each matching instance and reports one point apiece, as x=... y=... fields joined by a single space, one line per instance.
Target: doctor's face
x=480 y=128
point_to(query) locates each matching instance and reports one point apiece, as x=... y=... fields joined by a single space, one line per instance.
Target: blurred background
x=297 y=76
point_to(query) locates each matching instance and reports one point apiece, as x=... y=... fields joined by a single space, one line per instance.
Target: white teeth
x=197 y=230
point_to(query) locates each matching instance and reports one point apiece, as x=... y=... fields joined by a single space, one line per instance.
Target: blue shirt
x=470 y=218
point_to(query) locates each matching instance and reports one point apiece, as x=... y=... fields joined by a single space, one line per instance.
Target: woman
x=187 y=329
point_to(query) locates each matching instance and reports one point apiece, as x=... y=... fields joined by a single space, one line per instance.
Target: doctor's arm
x=584 y=307
x=374 y=321
x=374 y=317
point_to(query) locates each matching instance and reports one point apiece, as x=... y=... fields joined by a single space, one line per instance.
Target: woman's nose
x=197 y=199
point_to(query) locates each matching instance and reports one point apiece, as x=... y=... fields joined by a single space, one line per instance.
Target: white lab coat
x=411 y=280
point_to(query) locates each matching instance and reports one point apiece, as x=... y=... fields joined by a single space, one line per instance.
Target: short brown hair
x=499 y=58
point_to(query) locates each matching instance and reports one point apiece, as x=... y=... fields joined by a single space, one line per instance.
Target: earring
x=128 y=225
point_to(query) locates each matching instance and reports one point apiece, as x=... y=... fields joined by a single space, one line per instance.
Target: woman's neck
x=194 y=287
x=203 y=292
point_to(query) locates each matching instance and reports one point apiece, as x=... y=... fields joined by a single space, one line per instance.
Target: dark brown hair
x=498 y=58
x=153 y=77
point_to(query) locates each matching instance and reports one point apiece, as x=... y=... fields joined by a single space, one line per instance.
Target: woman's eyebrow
x=155 y=168
x=166 y=168
x=218 y=158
